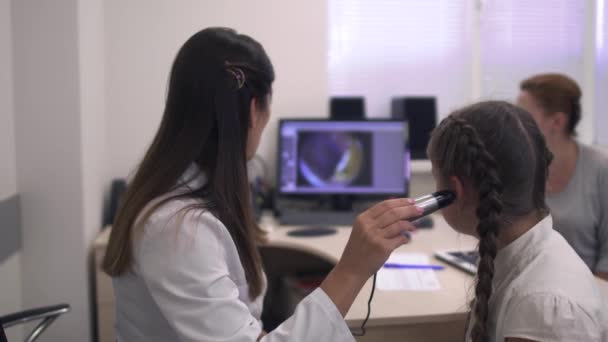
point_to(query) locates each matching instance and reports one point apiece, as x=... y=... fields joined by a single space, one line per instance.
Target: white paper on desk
x=398 y=279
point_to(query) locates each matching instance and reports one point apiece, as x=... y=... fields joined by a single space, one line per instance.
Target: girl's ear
x=458 y=187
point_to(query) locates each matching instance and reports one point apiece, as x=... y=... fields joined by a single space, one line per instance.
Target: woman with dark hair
x=183 y=249
x=577 y=188
x=531 y=285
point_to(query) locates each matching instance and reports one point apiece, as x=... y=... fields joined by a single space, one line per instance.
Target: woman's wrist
x=352 y=275
x=342 y=285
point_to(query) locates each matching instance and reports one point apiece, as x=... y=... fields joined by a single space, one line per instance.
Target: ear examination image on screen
x=345 y=160
x=359 y=157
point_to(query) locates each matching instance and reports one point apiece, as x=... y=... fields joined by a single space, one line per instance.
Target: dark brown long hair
x=206 y=121
x=556 y=93
x=498 y=149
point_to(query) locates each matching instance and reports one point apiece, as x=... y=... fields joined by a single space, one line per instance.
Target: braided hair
x=497 y=148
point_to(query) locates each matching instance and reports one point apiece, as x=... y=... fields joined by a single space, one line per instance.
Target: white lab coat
x=188 y=285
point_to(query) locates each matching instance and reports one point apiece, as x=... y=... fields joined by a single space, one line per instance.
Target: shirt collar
x=516 y=255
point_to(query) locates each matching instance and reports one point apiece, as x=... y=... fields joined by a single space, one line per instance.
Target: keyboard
x=292 y=217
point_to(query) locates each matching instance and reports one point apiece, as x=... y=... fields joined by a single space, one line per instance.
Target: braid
x=482 y=170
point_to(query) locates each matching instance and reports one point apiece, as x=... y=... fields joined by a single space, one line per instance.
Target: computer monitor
x=319 y=157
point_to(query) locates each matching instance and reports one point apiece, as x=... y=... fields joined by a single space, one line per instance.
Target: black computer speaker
x=347 y=108
x=421 y=115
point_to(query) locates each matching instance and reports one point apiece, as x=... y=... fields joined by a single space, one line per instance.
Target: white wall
x=60 y=149
x=601 y=80
x=10 y=269
x=142 y=38
x=586 y=129
x=92 y=113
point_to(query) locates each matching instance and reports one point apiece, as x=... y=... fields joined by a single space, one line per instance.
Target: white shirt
x=188 y=284
x=543 y=291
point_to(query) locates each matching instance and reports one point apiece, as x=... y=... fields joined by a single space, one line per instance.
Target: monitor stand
x=340 y=203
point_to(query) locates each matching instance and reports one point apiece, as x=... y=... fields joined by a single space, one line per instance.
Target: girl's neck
x=518 y=228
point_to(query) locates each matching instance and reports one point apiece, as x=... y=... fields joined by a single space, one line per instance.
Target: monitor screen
x=343 y=157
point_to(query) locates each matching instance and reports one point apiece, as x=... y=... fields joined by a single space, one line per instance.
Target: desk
x=396 y=315
x=421 y=316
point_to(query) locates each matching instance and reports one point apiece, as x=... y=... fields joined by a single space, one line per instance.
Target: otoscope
x=431 y=203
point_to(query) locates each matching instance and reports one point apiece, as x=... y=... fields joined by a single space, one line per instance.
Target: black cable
x=369 y=309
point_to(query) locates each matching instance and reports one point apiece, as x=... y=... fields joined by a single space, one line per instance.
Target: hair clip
x=238 y=74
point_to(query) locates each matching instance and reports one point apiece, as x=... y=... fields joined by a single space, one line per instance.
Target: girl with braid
x=531 y=285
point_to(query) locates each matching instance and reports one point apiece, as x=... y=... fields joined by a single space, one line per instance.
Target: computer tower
x=421 y=115
x=347 y=108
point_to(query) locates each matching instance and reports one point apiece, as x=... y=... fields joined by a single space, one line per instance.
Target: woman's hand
x=375 y=235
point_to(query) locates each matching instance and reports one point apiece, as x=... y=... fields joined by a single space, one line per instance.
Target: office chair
x=47 y=315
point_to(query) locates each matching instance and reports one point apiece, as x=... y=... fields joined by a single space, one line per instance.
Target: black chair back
x=2 y=335
x=47 y=315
